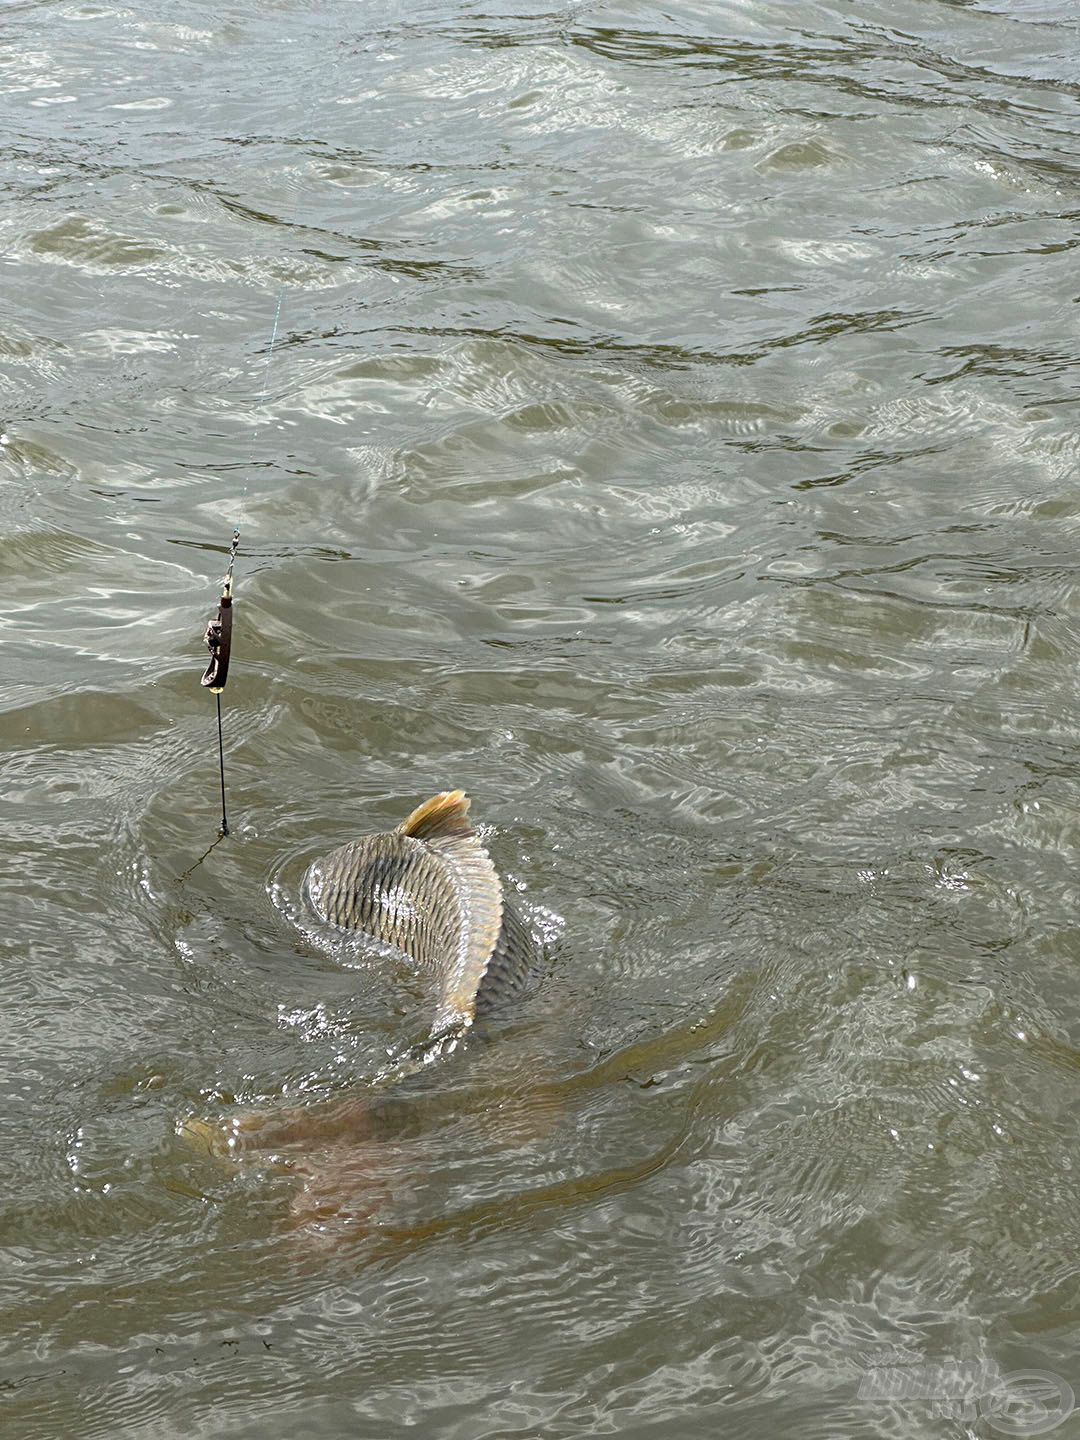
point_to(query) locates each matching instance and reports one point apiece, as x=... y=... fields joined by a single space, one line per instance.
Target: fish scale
x=429 y=888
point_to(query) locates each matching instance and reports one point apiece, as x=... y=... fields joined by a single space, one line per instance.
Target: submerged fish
x=430 y=889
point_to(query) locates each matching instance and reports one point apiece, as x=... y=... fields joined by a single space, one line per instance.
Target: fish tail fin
x=443 y=815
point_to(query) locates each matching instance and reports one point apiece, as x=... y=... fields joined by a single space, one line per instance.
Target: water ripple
x=662 y=427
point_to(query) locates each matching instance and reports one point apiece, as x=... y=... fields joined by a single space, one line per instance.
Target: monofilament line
x=317 y=92
x=260 y=403
x=221 y=766
x=236 y=545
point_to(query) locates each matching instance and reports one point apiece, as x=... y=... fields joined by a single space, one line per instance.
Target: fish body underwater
x=429 y=888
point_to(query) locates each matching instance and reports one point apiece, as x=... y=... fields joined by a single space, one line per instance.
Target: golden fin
x=445 y=814
x=481 y=913
x=443 y=823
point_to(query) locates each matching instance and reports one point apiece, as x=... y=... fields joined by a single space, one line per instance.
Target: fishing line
x=218 y=636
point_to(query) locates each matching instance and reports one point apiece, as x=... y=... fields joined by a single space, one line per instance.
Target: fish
x=430 y=889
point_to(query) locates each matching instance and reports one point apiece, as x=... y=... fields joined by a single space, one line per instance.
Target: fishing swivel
x=218 y=637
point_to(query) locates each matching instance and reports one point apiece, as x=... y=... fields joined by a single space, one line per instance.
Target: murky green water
x=670 y=437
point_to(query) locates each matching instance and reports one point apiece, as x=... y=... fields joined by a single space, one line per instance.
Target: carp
x=429 y=889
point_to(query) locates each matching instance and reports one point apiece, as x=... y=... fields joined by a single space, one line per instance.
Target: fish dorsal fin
x=443 y=823
x=445 y=814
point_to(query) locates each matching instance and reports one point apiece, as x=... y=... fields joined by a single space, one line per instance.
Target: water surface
x=660 y=422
